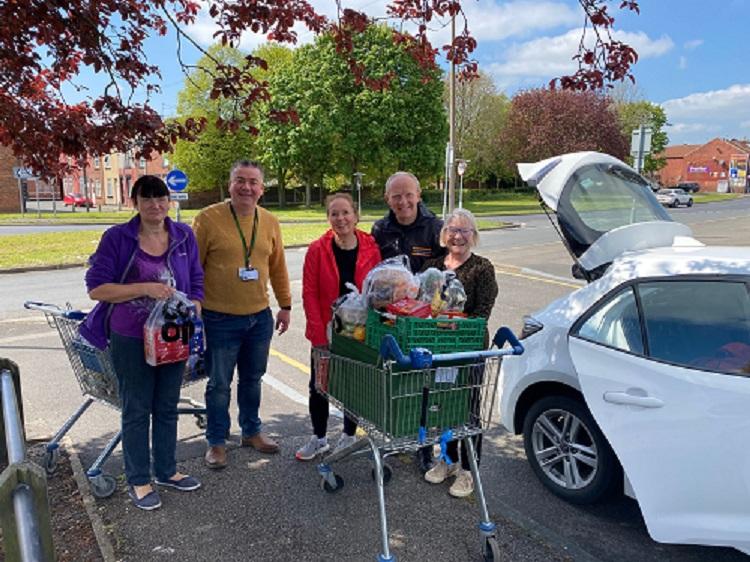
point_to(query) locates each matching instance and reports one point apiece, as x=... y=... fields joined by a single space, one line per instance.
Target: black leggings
x=319 y=409
x=476 y=380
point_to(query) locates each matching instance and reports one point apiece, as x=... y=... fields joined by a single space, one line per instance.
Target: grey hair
x=398 y=175
x=248 y=164
x=464 y=216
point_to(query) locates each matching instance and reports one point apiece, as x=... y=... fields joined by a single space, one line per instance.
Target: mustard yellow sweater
x=221 y=255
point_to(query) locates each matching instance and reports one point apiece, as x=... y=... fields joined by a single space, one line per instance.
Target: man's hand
x=282 y=320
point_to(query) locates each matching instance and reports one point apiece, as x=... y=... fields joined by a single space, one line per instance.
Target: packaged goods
x=410 y=307
x=390 y=281
x=169 y=330
x=350 y=314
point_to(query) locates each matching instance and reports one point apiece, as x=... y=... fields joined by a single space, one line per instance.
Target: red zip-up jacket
x=320 y=280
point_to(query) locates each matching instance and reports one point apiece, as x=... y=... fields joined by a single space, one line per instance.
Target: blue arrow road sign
x=177 y=180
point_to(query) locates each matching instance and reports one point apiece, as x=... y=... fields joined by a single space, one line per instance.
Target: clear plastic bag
x=390 y=281
x=350 y=314
x=442 y=289
x=169 y=331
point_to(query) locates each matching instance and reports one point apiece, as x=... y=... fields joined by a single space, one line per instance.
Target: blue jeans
x=149 y=396
x=242 y=341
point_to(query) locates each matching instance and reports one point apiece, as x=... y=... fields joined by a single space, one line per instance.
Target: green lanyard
x=248 y=251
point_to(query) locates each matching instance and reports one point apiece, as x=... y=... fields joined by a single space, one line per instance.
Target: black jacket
x=419 y=240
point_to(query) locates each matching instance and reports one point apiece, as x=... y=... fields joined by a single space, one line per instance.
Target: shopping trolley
x=96 y=376
x=404 y=403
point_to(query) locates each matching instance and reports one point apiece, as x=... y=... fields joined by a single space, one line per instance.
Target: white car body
x=679 y=432
x=674 y=197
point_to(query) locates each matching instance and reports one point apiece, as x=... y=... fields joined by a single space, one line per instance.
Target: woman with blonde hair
x=460 y=236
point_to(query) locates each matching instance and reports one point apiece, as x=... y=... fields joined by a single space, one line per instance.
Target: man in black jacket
x=409 y=227
x=412 y=229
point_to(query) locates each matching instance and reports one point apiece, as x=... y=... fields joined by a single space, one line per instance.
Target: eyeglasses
x=461 y=231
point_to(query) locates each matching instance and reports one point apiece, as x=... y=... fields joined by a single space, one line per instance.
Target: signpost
x=461 y=169
x=359 y=175
x=22 y=175
x=640 y=146
x=177 y=181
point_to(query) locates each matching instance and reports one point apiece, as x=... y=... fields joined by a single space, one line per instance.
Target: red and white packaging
x=168 y=330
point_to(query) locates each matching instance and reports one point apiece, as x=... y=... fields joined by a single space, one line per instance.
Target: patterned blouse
x=477 y=274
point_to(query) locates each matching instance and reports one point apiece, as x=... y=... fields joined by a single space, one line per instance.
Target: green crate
x=439 y=336
x=391 y=399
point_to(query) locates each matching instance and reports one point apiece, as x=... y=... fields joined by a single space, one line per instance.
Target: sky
x=691 y=54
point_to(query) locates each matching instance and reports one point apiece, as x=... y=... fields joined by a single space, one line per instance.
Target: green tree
x=208 y=159
x=632 y=115
x=480 y=116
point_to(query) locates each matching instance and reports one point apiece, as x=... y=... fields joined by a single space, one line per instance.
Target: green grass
x=64 y=248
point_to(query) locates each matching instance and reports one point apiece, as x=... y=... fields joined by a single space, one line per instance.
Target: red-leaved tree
x=545 y=122
x=46 y=44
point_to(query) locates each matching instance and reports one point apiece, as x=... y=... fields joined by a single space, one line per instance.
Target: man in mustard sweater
x=241 y=251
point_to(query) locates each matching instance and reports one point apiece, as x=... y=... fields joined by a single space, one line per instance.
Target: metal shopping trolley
x=96 y=377
x=404 y=403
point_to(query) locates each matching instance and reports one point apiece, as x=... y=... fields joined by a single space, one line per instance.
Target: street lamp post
x=461 y=169
x=359 y=175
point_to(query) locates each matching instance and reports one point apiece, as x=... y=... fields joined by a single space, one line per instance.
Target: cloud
x=683 y=63
x=547 y=57
x=724 y=113
x=488 y=20
x=693 y=44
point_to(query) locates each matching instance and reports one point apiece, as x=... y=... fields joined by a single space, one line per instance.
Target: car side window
x=698 y=324
x=615 y=324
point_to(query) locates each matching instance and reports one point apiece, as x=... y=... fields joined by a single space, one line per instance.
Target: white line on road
x=26 y=337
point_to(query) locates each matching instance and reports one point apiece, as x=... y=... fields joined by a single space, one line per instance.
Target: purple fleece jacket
x=114 y=257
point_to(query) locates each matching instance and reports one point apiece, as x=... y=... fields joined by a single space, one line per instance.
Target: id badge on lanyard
x=248 y=272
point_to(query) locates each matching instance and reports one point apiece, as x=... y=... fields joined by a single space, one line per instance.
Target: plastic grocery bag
x=443 y=289
x=390 y=281
x=169 y=330
x=350 y=314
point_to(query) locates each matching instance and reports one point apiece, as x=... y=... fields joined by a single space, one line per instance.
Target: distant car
x=673 y=198
x=638 y=382
x=77 y=200
x=689 y=186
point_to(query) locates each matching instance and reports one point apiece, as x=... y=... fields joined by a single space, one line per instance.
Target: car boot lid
x=578 y=188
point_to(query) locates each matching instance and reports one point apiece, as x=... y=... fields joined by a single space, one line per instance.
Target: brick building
x=10 y=200
x=718 y=165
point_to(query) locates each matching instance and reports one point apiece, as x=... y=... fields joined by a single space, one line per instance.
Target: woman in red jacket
x=342 y=255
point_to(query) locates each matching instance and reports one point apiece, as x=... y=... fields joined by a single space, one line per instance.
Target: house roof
x=679 y=150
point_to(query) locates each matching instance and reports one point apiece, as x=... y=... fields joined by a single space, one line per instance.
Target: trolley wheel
x=491 y=549
x=387 y=473
x=103 y=486
x=50 y=460
x=330 y=489
x=200 y=421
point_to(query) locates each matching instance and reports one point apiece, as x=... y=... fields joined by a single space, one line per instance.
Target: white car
x=674 y=198
x=640 y=380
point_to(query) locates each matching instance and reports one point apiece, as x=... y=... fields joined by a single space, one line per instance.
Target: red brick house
x=719 y=165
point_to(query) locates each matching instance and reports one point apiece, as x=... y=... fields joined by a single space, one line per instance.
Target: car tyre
x=690 y=203
x=674 y=204
x=597 y=482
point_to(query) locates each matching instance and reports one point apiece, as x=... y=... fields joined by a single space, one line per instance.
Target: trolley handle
x=421 y=358
x=54 y=310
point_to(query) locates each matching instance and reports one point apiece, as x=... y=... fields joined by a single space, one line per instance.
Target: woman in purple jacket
x=136 y=264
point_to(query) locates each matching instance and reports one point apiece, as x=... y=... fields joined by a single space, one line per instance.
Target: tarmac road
x=271 y=508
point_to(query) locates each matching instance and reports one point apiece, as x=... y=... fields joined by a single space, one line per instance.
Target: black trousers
x=319 y=409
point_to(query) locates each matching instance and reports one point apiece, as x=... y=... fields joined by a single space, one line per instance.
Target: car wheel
x=674 y=204
x=690 y=203
x=567 y=451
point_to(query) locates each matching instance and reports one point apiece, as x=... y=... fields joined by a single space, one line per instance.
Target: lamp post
x=358 y=176
x=452 y=124
x=461 y=169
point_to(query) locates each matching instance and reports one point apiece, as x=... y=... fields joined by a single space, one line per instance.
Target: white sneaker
x=345 y=441
x=312 y=449
x=440 y=472
x=463 y=485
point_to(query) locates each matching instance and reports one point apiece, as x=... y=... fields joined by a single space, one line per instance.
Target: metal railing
x=24 y=509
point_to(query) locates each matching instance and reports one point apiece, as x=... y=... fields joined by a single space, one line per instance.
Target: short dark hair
x=248 y=164
x=149 y=186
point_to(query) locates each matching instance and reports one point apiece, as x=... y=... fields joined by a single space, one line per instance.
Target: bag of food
x=350 y=314
x=410 y=307
x=390 y=281
x=169 y=329
x=443 y=290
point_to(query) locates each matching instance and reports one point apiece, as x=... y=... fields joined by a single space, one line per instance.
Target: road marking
x=287 y=390
x=534 y=275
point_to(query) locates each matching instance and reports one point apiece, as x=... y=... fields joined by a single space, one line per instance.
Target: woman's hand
x=158 y=291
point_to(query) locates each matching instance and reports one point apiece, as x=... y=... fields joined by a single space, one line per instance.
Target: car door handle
x=629 y=399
